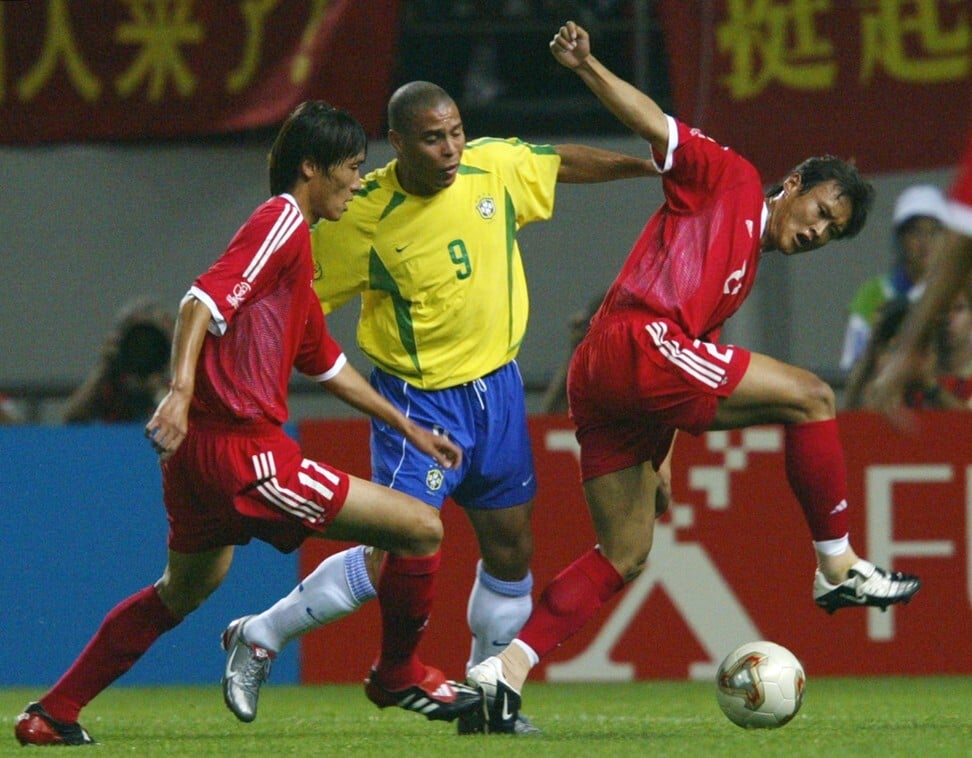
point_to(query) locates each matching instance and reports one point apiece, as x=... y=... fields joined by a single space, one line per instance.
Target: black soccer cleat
x=435 y=697
x=866 y=585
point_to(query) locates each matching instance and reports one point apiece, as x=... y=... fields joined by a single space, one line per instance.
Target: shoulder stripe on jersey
x=708 y=373
x=397 y=199
x=512 y=142
x=289 y=220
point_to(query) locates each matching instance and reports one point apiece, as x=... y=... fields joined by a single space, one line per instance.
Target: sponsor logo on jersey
x=486 y=207
x=238 y=295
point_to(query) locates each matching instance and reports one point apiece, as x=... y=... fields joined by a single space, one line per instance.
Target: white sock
x=838 y=546
x=531 y=654
x=339 y=585
x=496 y=612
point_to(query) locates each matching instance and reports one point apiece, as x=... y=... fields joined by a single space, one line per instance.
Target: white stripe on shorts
x=286 y=499
x=695 y=365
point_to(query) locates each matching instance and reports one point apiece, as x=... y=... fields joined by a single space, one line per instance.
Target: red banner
x=114 y=69
x=732 y=560
x=883 y=82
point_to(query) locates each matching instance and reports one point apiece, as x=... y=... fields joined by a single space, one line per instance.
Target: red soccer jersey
x=960 y=194
x=695 y=261
x=266 y=319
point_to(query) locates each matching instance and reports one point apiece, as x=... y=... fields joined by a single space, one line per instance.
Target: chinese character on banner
x=779 y=80
x=118 y=69
x=776 y=43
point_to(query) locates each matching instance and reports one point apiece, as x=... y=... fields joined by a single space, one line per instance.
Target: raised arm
x=571 y=47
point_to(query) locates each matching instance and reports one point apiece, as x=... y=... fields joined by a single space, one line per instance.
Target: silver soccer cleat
x=247 y=668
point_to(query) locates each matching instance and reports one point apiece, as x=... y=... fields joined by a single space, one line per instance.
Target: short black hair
x=410 y=99
x=317 y=132
x=824 y=168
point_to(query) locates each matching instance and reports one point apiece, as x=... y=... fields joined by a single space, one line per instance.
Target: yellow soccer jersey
x=443 y=293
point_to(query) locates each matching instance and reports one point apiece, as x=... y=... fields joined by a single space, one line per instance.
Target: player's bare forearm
x=632 y=107
x=349 y=386
x=170 y=422
x=580 y=164
x=187 y=342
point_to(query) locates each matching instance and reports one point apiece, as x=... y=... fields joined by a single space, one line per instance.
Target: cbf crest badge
x=434 y=479
x=486 y=207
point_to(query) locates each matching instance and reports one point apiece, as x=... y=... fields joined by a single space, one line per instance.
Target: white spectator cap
x=920 y=200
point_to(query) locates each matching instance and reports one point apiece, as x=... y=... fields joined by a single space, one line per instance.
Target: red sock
x=126 y=633
x=406 y=587
x=570 y=600
x=817 y=476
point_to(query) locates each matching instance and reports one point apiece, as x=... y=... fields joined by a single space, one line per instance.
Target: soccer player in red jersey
x=229 y=471
x=651 y=364
x=950 y=272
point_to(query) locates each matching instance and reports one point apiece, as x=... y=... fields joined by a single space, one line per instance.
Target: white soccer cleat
x=866 y=585
x=501 y=703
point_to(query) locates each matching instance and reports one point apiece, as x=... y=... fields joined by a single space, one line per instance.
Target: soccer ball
x=760 y=685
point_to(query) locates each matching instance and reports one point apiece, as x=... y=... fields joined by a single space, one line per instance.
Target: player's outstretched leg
x=435 y=697
x=35 y=726
x=866 y=585
x=501 y=703
x=247 y=668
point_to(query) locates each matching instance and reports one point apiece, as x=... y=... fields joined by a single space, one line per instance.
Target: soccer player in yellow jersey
x=430 y=245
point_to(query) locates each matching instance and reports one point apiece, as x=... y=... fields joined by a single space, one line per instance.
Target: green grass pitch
x=840 y=717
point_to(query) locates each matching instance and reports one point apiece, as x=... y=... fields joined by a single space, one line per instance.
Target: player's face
x=331 y=191
x=805 y=221
x=429 y=154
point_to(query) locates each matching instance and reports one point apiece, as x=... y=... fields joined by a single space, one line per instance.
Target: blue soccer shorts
x=486 y=418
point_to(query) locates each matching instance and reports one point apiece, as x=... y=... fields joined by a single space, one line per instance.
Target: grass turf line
x=887 y=716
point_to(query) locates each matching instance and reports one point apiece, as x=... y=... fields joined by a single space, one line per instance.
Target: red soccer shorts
x=637 y=378
x=225 y=486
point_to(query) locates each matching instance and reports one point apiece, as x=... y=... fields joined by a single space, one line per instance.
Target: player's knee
x=820 y=401
x=510 y=559
x=182 y=598
x=635 y=567
x=630 y=562
x=427 y=532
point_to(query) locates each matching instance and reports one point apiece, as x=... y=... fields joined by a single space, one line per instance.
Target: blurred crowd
x=881 y=304
x=130 y=375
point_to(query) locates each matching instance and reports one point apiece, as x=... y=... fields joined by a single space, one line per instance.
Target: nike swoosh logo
x=527 y=482
x=400 y=248
x=505 y=711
